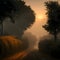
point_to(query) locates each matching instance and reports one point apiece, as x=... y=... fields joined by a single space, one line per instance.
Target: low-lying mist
x=30 y=39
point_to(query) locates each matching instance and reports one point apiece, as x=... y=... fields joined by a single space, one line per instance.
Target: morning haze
x=29 y=30
x=40 y=10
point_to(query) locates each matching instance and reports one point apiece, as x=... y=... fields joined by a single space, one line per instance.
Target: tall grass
x=10 y=45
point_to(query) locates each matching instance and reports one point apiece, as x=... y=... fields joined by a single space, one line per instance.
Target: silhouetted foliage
x=23 y=22
x=53 y=13
x=49 y=48
x=27 y=19
x=8 y=9
x=15 y=8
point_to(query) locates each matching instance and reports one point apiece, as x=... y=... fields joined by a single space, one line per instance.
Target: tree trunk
x=1 y=29
x=55 y=36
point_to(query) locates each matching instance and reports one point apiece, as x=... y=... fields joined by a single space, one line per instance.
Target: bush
x=10 y=45
x=50 y=48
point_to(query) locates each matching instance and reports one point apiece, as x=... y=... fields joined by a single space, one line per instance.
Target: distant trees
x=13 y=8
x=53 y=14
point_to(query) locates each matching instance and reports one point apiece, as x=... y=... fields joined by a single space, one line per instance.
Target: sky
x=41 y=18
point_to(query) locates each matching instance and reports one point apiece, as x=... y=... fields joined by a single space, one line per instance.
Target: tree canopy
x=8 y=8
x=53 y=14
x=19 y=12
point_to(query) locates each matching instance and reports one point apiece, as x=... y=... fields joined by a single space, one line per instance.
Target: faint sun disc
x=41 y=16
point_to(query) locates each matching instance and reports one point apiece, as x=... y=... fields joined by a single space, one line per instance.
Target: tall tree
x=24 y=19
x=53 y=14
x=18 y=9
x=8 y=8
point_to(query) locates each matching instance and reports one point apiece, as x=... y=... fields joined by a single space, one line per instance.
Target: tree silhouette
x=24 y=20
x=18 y=9
x=27 y=18
x=49 y=48
x=8 y=8
x=53 y=13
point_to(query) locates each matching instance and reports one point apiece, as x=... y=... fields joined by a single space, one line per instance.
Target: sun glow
x=41 y=16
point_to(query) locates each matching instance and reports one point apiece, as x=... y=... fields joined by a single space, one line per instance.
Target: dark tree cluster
x=14 y=8
x=53 y=14
x=7 y=8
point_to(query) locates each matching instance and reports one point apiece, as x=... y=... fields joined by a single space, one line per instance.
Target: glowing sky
x=37 y=6
x=40 y=10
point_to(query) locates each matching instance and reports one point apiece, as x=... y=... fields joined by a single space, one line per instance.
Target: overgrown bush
x=10 y=45
x=50 y=48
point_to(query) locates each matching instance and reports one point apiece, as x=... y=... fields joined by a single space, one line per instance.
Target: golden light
x=41 y=16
